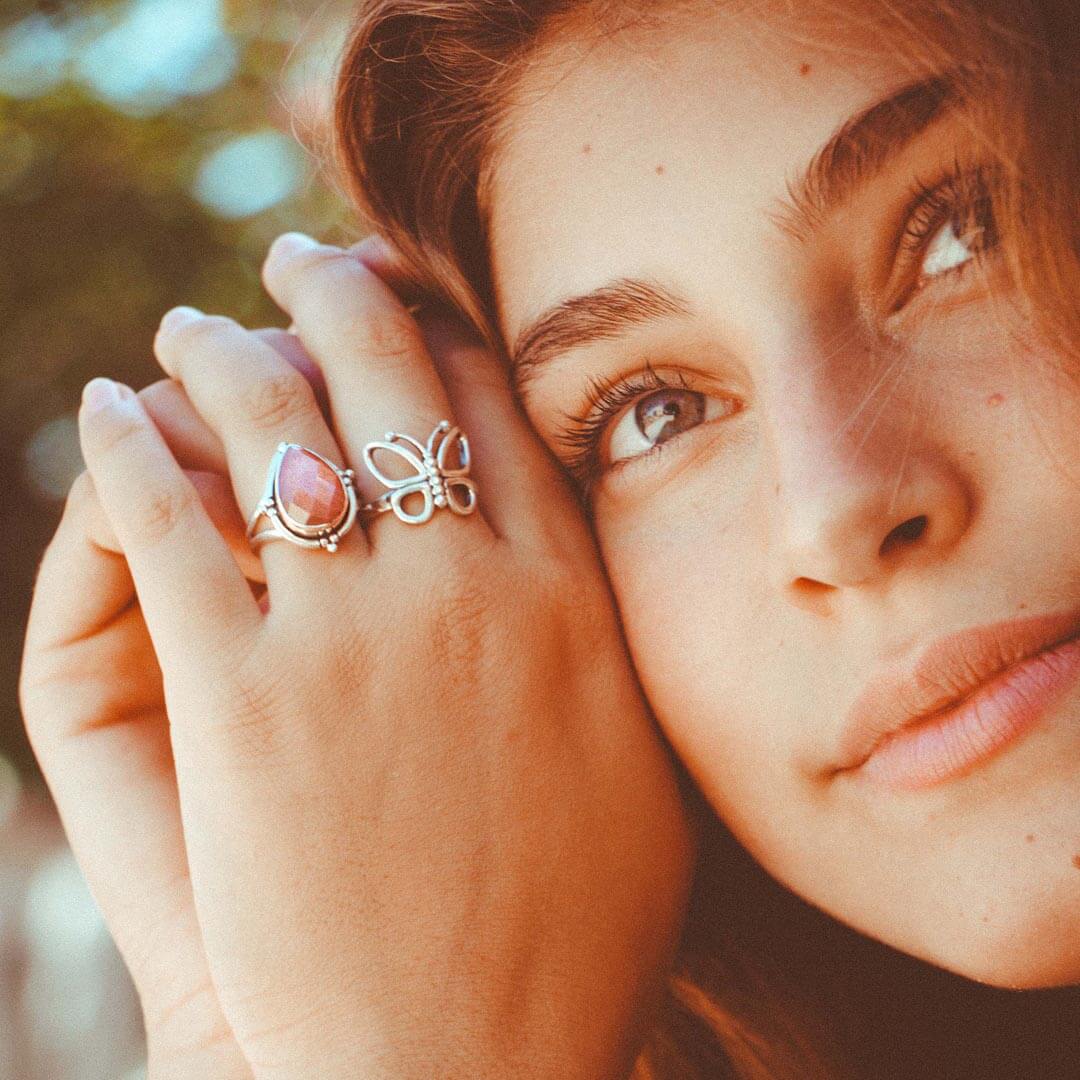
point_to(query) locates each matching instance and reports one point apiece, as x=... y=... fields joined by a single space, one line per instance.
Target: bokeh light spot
x=250 y=174
x=161 y=50
x=53 y=458
x=33 y=57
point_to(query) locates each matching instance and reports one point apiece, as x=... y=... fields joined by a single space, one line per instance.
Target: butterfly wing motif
x=401 y=489
x=460 y=490
x=397 y=501
x=412 y=460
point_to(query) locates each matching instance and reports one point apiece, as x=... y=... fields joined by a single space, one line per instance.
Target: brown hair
x=422 y=87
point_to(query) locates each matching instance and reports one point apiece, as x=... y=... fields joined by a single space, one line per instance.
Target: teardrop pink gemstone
x=310 y=492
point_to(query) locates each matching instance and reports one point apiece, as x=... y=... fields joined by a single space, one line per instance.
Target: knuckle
x=253 y=725
x=111 y=430
x=390 y=336
x=159 y=513
x=464 y=620
x=272 y=402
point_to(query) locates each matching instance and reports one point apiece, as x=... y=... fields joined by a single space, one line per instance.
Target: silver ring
x=432 y=475
x=308 y=500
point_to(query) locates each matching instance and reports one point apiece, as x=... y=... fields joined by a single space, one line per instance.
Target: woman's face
x=827 y=452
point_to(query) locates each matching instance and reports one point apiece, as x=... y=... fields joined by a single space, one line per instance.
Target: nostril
x=906 y=533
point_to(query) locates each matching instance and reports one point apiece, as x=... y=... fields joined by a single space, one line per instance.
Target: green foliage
x=100 y=235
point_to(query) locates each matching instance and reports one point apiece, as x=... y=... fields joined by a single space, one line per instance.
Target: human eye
x=949 y=228
x=629 y=419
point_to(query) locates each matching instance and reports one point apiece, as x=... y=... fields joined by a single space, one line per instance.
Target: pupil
x=666 y=413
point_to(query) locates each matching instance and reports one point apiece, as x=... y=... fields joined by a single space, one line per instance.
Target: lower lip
x=951 y=744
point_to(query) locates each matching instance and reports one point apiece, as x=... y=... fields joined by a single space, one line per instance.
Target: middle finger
x=375 y=361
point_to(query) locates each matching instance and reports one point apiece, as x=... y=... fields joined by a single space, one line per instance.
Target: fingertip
x=179 y=316
x=102 y=393
x=107 y=407
x=290 y=243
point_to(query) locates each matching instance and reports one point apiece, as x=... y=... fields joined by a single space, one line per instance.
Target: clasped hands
x=400 y=813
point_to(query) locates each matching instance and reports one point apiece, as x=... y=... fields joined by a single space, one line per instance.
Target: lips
x=964 y=669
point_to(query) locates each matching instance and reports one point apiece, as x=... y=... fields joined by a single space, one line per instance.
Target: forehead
x=658 y=154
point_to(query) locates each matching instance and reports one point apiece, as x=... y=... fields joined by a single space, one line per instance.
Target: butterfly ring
x=436 y=475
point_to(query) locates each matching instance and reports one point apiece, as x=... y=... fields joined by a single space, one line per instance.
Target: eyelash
x=960 y=192
x=606 y=397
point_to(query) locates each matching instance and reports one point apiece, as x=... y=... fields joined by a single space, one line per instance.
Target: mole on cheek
x=659 y=170
x=804 y=68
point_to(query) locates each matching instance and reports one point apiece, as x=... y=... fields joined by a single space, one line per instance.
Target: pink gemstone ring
x=308 y=500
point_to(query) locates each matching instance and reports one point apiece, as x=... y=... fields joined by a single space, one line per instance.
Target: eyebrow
x=859 y=150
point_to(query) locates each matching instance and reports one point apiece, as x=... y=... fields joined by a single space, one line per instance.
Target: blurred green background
x=150 y=150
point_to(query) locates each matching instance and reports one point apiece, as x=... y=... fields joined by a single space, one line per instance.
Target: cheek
x=685 y=587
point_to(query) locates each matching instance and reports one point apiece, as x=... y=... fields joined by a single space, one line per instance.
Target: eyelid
x=582 y=435
x=971 y=177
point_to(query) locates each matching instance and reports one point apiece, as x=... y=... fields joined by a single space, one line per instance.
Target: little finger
x=196 y=603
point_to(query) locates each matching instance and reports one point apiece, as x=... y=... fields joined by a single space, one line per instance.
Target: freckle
x=804 y=68
x=994 y=400
x=1076 y=861
x=659 y=170
x=1023 y=606
x=587 y=148
x=1030 y=838
x=986 y=918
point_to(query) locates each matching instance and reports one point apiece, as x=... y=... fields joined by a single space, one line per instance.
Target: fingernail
x=180 y=316
x=100 y=393
x=291 y=242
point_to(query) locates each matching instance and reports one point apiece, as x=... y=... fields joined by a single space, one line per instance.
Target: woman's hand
x=91 y=695
x=429 y=826
x=92 y=701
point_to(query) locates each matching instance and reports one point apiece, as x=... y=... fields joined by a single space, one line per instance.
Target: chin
x=1033 y=944
x=1045 y=972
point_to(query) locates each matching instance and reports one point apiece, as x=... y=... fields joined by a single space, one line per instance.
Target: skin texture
x=357 y=809
x=740 y=557
x=92 y=695
x=746 y=553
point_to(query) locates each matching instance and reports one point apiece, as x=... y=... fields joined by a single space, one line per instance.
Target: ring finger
x=254 y=399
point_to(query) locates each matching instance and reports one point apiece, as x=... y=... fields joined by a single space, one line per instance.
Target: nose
x=854 y=524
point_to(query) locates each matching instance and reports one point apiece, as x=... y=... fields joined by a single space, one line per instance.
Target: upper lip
x=945 y=674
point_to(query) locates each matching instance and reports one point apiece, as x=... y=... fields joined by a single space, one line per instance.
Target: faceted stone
x=310 y=492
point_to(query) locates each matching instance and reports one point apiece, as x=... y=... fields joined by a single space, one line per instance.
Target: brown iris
x=669 y=412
